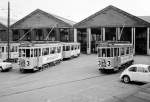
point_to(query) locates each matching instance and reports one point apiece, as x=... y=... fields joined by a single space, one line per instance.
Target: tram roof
x=37 y=43
x=113 y=43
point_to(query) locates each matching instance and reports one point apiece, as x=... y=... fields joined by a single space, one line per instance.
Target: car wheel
x=126 y=79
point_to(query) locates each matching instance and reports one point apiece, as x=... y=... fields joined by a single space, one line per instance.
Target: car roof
x=140 y=65
x=4 y=63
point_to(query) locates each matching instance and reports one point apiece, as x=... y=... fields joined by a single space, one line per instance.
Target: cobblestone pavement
x=74 y=80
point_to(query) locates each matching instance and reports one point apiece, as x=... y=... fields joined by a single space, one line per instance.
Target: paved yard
x=74 y=80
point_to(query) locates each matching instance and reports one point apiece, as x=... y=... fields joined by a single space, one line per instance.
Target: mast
x=8 y=29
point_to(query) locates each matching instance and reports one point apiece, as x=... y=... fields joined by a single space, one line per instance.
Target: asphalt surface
x=73 y=80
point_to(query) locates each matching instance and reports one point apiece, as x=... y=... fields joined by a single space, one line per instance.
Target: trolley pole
x=8 y=30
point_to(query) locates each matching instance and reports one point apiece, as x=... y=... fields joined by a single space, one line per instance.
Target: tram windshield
x=105 y=52
x=108 y=52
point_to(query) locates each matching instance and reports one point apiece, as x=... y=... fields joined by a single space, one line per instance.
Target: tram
x=71 y=50
x=114 y=55
x=40 y=55
x=13 y=54
x=36 y=56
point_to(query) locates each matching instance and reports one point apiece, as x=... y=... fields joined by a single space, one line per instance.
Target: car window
x=149 y=68
x=141 y=69
x=132 y=69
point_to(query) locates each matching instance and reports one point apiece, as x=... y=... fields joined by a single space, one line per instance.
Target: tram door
x=117 y=60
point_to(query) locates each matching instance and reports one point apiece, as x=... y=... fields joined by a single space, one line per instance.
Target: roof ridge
x=116 y=9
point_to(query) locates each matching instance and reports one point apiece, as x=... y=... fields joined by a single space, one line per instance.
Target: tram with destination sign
x=40 y=55
x=114 y=55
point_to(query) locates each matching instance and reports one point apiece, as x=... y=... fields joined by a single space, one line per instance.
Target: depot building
x=40 y=25
x=113 y=24
x=108 y=24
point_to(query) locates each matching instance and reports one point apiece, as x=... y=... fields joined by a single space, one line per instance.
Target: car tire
x=126 y=79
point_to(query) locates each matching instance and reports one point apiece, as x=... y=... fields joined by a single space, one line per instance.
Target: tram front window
x=99 y=52
x=115 y=52
x=27 y=52
x=103 y=53
x=108 y=52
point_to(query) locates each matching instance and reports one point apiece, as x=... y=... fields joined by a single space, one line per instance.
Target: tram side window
x=35 y=52
x=27 y=52
x=23 y=53
x=32 y=53
x=103 y=53
x=47 y=51
x=122 y=51
x=127 y=51
x=19 y=52
x=2 y=49
x=131 y=50
x=67 y=48
x=99 y=52
x=115 y=51
x=64 y=48
x=108 y=52
x=72 y=47
x=58 y=49
x=111 y=52
x=75 y=47
x=55 y=49
x=39 y=52
x=118 y=51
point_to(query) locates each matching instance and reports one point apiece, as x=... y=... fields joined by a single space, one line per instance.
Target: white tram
x=36 y=56
x=13 y=54
x=114 y=55
x=71 y=50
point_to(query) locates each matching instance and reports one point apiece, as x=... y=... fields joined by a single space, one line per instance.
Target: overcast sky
x=75 y=10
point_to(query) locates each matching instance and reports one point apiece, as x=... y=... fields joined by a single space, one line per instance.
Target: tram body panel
x=126 y=58
x=113 y=56
x=106 y=63
x=70 y=51
x=39 y=55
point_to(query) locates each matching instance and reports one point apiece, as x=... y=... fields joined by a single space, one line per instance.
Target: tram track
x=50 y=85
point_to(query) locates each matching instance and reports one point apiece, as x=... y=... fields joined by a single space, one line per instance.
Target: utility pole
x=8 y=29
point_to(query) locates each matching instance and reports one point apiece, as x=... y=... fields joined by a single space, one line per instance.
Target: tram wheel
x=22 y=70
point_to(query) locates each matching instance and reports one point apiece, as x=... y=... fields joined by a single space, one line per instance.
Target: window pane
x=63 y=48
x=103 y=52
x=19 y=52
x=32 y=53
x=111 y=52
x=115 y=52
x=99 y=52
x=122 y=51
x=132 y=69
x=108 y=52
x=27 y=52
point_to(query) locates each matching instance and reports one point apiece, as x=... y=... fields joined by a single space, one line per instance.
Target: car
x=136 y=72
x=5 y=66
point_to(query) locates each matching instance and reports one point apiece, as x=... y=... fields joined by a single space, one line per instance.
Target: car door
x=132 y=73
x=142 y=74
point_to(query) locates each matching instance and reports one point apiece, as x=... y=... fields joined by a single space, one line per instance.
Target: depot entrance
x=141 y=40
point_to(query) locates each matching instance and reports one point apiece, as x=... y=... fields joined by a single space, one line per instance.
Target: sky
x=75 y=10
